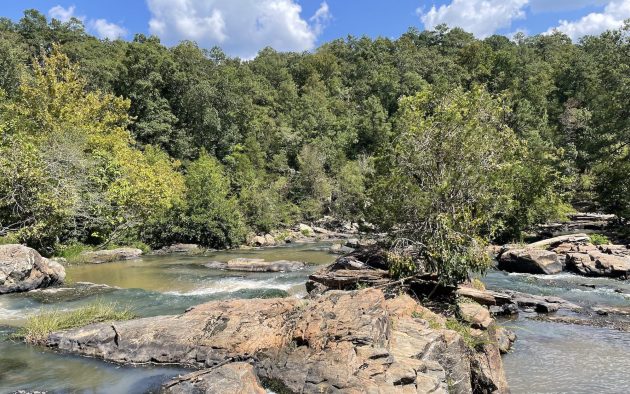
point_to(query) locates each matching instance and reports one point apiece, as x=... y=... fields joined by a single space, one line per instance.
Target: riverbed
x=547 y=358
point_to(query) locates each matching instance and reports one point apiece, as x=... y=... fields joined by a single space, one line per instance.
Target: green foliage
x=599 y=239
x=471 y=341
x=38 y=327
x=71 y=252
x=400 y=265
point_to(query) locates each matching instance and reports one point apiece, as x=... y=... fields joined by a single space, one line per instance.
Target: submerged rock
x=77 y=291
x=235 y=378
x=108 y=256
x=356 y=341
x=530 y=260
x=23 y=269
x=185 y=249
x=257 y=265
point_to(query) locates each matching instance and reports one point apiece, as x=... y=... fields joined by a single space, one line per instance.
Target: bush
x=38 y=327
x=599 y=239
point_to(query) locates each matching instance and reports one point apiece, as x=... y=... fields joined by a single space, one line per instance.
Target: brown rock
x=23 y=269
x=257 y=265
x=596 y=263
x=551 y=242
x=477 y=315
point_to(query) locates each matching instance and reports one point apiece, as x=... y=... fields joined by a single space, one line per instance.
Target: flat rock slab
x=74 y=292
x=550 y=242
x=596 y=263
x=23 y=269
x=233 y=378
x=108 y=256
x=354 y=341
x=257 y=265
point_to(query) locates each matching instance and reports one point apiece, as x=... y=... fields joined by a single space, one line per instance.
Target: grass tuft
x=599 y=239
x=38 y=327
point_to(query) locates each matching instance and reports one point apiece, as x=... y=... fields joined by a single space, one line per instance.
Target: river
x=547 y=357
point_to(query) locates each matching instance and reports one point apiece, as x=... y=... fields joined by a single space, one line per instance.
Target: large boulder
x=356 y=341
x=596 y=263
x=108 y=256
x=23 y=269
x=530 y=261
x=257 y=265
x=235 y=378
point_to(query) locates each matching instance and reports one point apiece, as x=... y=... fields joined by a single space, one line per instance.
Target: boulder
x=356 y=341
x=505 y=339
x=340 y=249
x=305 y=229
x=257 y=265
x=236 y=378
x=23 y=269
x=596 y=263
x=475 y=314
x=75 y=291
x=258 y=240
x=108 y=256
x=270 y=240
x=530 y=261
x=347 y=273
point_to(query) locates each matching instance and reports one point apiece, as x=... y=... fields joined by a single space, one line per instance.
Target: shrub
x=599 y=239
x=38 y=327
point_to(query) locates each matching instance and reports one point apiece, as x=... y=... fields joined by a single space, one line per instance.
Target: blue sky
x=242 y=27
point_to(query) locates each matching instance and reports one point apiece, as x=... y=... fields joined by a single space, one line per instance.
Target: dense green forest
x=437 y=137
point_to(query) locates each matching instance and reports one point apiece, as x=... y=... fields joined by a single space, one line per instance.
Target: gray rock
x=531 y=261
x=186 y=249
x=340 y=249
x=108 y=256
x=23 y=269
x=257 y=265
x=236 y=378
x=551 y=242
x=596 y=263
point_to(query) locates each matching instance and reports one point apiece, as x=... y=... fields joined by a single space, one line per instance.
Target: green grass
x=38 y=327
x=599 y=239
x=10 y=238
x=72 y=252
x=472 y=341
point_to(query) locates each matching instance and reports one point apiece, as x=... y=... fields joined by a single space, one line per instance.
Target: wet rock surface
x=108 y=256
x=23 y=269
x=257 y=265
x=183 y=249
x=342 y=341
x=74 y=292
x=530 y=260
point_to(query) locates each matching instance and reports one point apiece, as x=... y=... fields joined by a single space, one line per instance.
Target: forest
x=437 y=137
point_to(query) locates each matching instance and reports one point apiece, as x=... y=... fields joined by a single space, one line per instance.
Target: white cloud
x=63 y=14
x=480 y=17
x=615 y=12
x=101 y=27
x=240 y=27
x=104 y=29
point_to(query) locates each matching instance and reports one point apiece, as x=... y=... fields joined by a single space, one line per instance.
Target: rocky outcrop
x=342 y=341
x=23 y=269
x=234 y=378
x=530 y=260
x=551 y=242
x=346 y=273
x=475 y=314
x=596 y=263
x=75 y=291
x=257 y=265
x=108 y=256
x=578 y=222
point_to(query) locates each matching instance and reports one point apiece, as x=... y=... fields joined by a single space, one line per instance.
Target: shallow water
x=547 y=357
x=553 y=357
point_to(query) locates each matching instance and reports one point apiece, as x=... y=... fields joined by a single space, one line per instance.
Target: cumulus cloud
x=63 y=14
x=480 y=17
x=104 y=29
x=612 y=17
x=101 y=27
x=240 y=27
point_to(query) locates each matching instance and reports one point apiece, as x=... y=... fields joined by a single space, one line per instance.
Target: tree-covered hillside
x=436 y=136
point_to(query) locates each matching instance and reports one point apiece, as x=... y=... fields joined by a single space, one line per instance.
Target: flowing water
x=547 y=357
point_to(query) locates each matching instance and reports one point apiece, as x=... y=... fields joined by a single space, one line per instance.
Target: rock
x=353 y=341
x=346 y=273
x=487 y=368
x=237 y=378
x=475 y=314
x=305 y=229
x=187 y=249
x=616 y=250
x=257 y=265
x=340 y=249
x=551 y=242
x=596 y=263
x=531 y=261
x=609 y=310
x=270 y=240
x=258 y=241
x=23 y=269
x=108 y=256
x=541 y=304
x=505 y=339
x=320 y=230
x=484 y=297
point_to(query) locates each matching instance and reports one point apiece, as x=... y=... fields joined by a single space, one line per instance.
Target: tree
x=446 y=179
